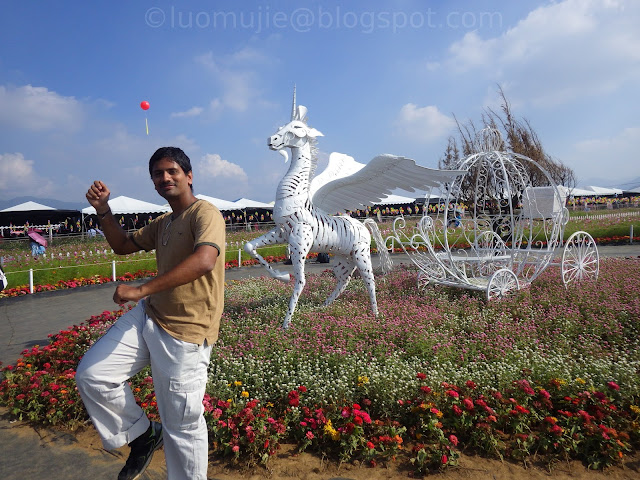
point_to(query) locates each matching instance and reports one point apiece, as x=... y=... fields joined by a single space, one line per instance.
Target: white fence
x=601 y=216
x=230 y=247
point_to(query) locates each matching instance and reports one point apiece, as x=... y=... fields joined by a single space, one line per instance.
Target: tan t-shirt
x=190 y=312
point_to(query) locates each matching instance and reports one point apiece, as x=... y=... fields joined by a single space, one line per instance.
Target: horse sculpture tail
x=385 y=259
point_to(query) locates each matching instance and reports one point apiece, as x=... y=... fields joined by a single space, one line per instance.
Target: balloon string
x=147 y=124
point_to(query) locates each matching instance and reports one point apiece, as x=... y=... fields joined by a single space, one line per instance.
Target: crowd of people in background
x=252 y=219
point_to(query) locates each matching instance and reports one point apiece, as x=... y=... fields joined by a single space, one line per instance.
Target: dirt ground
x=286 y=465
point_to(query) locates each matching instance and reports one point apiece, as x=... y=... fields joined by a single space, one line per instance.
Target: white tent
x=604 y=191
x=395 y=200
x=577 y=192
x=27 y=207
x=125 y=205
x=218 y=202
x=244 y=203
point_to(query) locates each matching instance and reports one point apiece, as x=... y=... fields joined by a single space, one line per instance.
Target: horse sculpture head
x=294 y=134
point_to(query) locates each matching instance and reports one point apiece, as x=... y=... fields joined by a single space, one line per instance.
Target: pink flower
x=310 y=435
x=452 y=393
x=613 y=386
x=468 y=404
x=235 y=448
x=454 y=440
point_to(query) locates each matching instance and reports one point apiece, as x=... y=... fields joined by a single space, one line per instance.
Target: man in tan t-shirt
x=171 y=328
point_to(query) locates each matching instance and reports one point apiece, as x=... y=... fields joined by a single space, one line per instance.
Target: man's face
x=170 y=180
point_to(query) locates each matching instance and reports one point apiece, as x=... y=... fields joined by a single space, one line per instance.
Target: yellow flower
x=237 y=383
x=332 y=432
x=581 y=381
x=635 y=409
x=363 y=379
x=245 y=394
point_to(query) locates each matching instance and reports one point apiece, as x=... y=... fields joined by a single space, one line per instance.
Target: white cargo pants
x=179 y=371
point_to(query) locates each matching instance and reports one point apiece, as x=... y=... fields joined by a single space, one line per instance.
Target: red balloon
x=144 y=105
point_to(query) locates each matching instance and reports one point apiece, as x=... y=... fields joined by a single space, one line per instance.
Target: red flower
x=471 y=385
x=613 y=386
x=370 y=445
x=468 y=404
x=302 y=388
x=421 y=376
x=294 y=398
x=452 y=393
x=457 y=410
x=454 y=440
x=444 y=459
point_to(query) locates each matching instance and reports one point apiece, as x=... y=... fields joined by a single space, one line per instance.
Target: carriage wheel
x=423 y=282
x=580 y=259
x=501 y=283
x=430 y=271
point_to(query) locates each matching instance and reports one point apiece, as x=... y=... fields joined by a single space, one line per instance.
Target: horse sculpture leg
x=300 y=241
x=274 y=236
x=362 y=259
x=342 y=271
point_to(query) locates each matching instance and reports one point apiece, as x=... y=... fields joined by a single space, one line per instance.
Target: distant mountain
x=50 y=202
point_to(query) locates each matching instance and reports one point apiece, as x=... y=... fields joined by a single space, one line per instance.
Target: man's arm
x=200 y=262
x=98 y=196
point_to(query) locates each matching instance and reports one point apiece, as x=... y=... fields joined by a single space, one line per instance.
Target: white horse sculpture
x=300 y=208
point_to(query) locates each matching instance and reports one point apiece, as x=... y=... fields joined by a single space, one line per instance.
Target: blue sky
x=377 y=77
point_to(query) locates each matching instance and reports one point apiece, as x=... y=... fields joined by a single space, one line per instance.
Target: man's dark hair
x=172 y=153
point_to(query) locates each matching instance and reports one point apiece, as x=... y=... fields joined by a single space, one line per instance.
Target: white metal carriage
x=493 y=230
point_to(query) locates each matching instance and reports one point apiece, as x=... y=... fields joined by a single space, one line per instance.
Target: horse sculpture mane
x=300 y=210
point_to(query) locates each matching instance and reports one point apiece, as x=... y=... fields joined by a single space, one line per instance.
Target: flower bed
x=548 y=371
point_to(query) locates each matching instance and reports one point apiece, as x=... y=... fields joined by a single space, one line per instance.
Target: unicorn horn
x=293 y=108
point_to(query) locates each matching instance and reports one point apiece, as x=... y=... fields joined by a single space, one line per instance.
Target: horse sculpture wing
x=374 y=181
x=340 y=165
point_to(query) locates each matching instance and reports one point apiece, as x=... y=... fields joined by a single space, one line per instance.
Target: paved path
x=29 y=453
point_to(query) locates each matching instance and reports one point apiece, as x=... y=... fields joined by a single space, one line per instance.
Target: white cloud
x=237 y=76
x=614 y=157
x=559 y=52
x=221 y=178
x=213 y=165
x=192 y=112
x=422 y=124
x=39 y=109
x=18 y=177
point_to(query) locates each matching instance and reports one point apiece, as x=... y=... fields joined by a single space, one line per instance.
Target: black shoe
x=142 y=449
